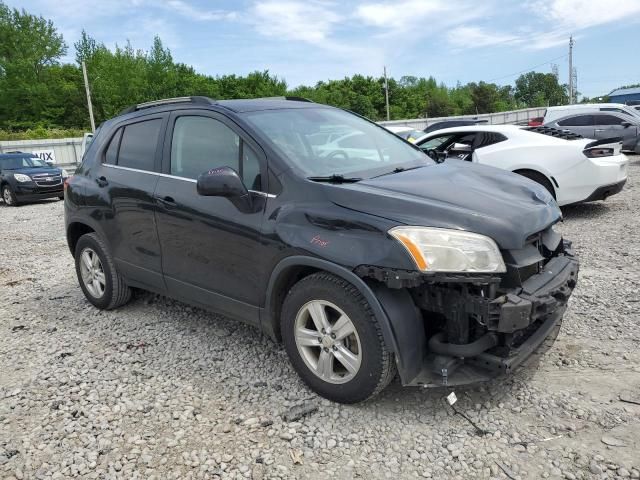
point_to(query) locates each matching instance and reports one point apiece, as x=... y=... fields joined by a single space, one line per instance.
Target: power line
x=529 y=69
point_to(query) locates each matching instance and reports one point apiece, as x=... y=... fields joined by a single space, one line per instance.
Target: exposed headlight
x=65 y=173
x=21 y=177
x=443 y=250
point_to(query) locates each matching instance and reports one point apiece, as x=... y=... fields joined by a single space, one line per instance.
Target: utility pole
x=571 y=87
x=386 y=92
x=86 y=87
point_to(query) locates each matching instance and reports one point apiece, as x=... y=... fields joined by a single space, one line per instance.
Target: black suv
x=24 y=177
x=362 y=256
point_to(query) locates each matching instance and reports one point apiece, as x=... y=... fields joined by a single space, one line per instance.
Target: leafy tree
x=536 y=89
x=38 y=92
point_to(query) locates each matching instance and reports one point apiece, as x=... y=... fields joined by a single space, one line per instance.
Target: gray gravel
x=161 y=390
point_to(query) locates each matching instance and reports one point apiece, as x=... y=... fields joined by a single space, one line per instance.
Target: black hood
x=459 y=195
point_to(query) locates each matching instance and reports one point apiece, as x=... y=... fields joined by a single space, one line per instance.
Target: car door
x=122 y=198
x=211 y=250
x=610 y=125
x=581 y=124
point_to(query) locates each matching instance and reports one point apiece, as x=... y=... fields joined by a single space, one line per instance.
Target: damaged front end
x=480 y=326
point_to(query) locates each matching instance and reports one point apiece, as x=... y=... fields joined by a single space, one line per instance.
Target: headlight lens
x=65 y=173
x=443 y=250
x=21 y=177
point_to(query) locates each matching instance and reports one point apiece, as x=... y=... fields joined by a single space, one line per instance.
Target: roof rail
x=167 y=101
x=287 y=97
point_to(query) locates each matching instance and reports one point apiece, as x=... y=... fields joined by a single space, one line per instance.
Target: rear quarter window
x=111 y=154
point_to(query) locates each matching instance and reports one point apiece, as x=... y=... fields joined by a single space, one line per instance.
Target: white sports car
x=572 y=168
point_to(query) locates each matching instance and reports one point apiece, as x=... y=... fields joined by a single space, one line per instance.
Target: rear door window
x=138 y=145
x=608 y=120
x=577 y=121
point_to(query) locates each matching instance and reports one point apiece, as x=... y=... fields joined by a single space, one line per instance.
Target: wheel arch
x=400 y=320
x=75 y=230
x=552 y=181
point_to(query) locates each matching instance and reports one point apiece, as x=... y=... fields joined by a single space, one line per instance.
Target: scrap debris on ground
x=158 y=389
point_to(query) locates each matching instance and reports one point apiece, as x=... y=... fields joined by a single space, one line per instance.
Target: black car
x=450 y=124
x=362 y=258
x=24 y=177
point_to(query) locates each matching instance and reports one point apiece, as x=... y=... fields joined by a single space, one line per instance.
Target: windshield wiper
x=334 y=178
x=398 y=170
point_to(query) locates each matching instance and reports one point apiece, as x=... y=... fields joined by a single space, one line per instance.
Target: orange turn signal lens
x=413 y=250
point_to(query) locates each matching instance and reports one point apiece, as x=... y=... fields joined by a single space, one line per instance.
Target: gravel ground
x=161 y=390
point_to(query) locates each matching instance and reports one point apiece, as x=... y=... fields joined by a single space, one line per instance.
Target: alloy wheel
x=92 y=273
x=328 y=341
x=6 y=195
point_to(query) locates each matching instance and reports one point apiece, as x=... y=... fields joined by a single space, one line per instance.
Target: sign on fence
x=46 y=155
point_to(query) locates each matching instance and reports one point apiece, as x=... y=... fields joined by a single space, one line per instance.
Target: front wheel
x=334 y=341
x=9 y=197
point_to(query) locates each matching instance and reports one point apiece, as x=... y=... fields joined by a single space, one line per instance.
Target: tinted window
x=435 y=142
x=577 y=121
x=608 y=120
x=13 y=163
x=111 y=155
x=138 y=145
x=202 y=143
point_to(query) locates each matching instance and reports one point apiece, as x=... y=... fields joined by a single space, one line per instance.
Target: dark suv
x=362 y=258
x=25 y=177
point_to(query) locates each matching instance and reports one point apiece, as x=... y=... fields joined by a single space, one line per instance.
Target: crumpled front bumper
x=523 y=324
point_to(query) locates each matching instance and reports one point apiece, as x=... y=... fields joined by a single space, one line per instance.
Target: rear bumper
x=601 y=193
x=526 y=322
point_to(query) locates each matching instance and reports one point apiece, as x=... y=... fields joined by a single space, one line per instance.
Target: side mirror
x=221 y=182
x=461 y=147
x=49 y=162
x=626 y=124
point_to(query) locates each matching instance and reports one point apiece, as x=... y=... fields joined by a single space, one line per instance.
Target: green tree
x=29 y=45
x=536 y=89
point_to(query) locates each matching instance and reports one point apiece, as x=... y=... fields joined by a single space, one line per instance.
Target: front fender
x=399 y=319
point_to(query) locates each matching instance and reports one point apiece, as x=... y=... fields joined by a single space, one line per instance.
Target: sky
x=305 y=41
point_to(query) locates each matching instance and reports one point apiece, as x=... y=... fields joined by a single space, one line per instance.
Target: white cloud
x=401 y=14
x=580 y=14
x=471 y=36
x=310 y=22
x=187 y=10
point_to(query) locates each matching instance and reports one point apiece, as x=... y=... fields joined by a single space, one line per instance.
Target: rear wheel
x=334 y=341
x=101 y=283
x=538 y=178
x=9 y=197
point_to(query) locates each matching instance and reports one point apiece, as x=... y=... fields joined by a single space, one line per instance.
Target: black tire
x=116 y=292
x=8 y=196
x=377 y=367
x=538 y=178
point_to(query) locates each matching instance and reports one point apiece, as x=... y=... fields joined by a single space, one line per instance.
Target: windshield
x=15 y=163
x=324 y=142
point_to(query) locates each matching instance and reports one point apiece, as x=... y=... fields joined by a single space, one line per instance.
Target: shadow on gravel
x=35 y=202
x=585 y=210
